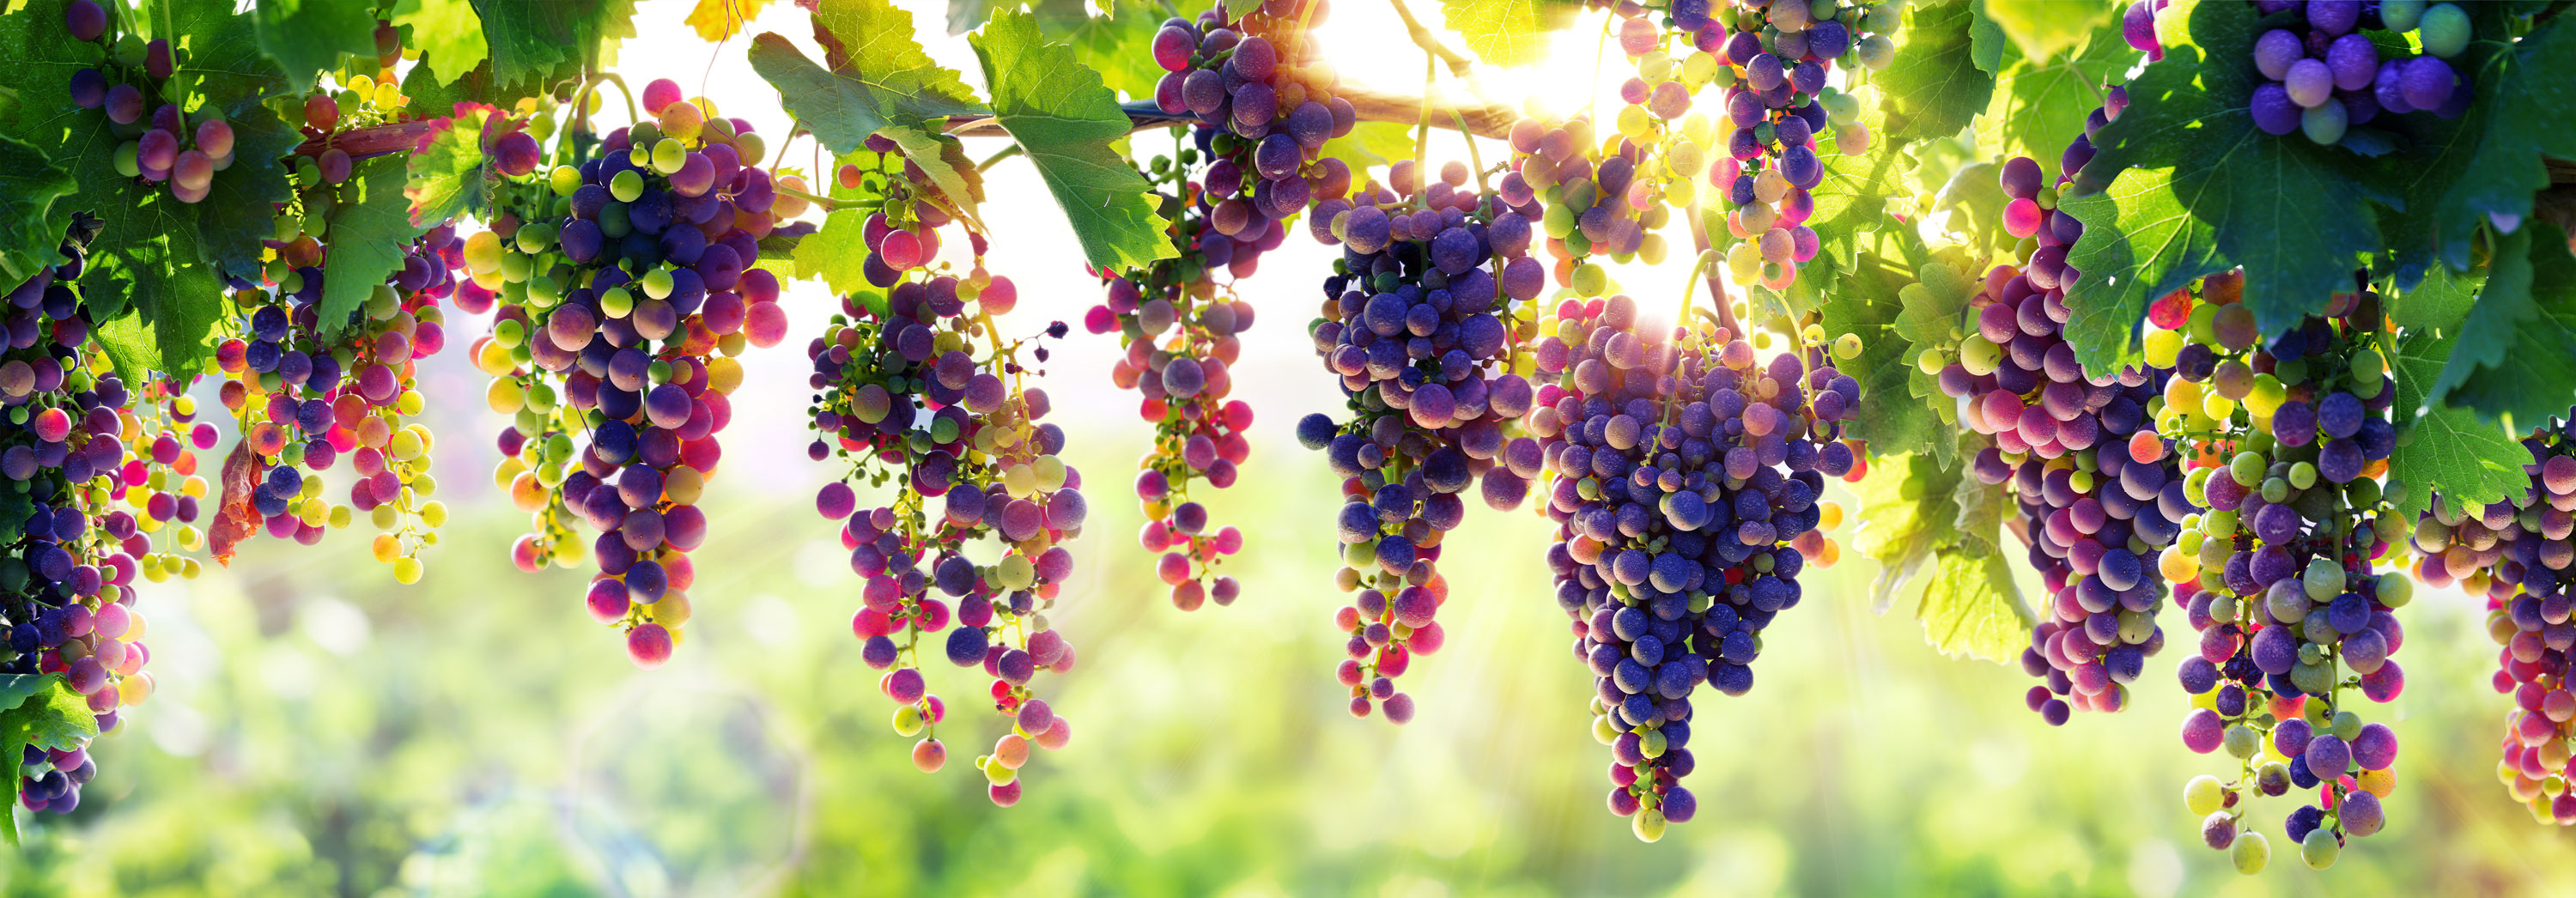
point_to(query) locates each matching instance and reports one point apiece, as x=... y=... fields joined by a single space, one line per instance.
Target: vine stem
x=1716 y=285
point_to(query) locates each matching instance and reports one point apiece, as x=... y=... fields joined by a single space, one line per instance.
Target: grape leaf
x=49 y=716
x=1890 y=418
x=837 y=253
x=1972 y=608
x=943 y=158
x=1065 y=121
x=15 y=689
x=306 y=37
x=369 y=227
x=1500 y=32
x=448 y=34
x=1913 y=512
x=236 y=518
x=2512 y=361
x=1988 y=46
x=554 y=40
x=2039 y=106
x=2042 y=28
x=2200 y=190
x=2440 y=302
x=717 y=20
x=2445 y=449
x=2482 y=168
x=1371 y=145
x=1933 y=88
x=15 y=507
x=1115 y=44
x=878 y=75
x=31 y=236
x=450 y=175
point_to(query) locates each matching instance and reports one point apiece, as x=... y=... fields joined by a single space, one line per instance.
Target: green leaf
x=2513 y=360
x=550 y=41
x=1066 y=121
x=15 y=689
x=451 y=176
x=1371 y=145
x=1500 y=32
x=1970 y=607
x=50 y=717
x=369 y=227
x=1933 y=88
x=878 y=76
x=31 y=235
x=1913 y=512
x=943 y=158
x=1117 y=44
x=1905 y=509
x=449 y=36
x=2440 y=302
x=2443 y=449
x=2482 y=169
x=2041 y=28
x=1890 y=418
x=306 y=37
x=2039 y=105
x=837 y=253
x=2200 y=190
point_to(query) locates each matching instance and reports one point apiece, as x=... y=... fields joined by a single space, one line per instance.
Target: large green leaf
x=2443 y=449
x=1500 y=32
x=2513 y=359
x=876 y=75
x=370 y=226
x=545 y=41
x=448 y=34
x=1913 y=513
x=1933 y=88
x=838 y=253
x=2440 y=302
x=49 y=716
x=306 y=37
x=2042 y=28
x=2039 y=105
x=31 y=234
x=1066 y=122
x=1118 y=44
x=451 y=176
x=2201 y=190
x=1890 y=419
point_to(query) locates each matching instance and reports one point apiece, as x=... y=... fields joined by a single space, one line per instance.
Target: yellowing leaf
x=717 y=20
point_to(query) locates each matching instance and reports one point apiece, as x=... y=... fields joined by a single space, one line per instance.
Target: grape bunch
x=1686 y=479
x=904 y=395
x=305 y=391
x=1777 y=58
x=2515 y=555
x=2323 y=74
x=364 y=96
x=1597 y=198
x=1265 y=101
x=624 y=290
x=2287 y=438
x=1419 y=322
x=1180 y=327
x=84 y=481
x=164 y=143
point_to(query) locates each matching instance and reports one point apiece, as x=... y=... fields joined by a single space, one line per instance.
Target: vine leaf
x=718 y=20
x=2440 y=302
x=1933 y=88
x=1066 y=121
x=1868 y=306
x=448 y=34
x=306 y=37
x=2200 y=190
x=1108 y=43
x=1500 y=32
x=2042 y=28
x=236 y=519
x=2512 y=360
x=369 y=227
x=1912 y=513
x=551 y=41
x=1371 y=145
x=2444 y=449
x=2483 y=168
x=30 y=234
x=47 y=715
x=2040 y=105
x=837 y=253
x=876 y=79
x=450 y=174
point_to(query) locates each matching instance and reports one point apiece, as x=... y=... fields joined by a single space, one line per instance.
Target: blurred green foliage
x=321 y=731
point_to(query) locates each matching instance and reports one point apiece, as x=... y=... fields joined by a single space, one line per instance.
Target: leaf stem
x=1014 y=149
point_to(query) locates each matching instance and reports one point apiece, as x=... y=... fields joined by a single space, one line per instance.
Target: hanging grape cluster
x=2323 y=74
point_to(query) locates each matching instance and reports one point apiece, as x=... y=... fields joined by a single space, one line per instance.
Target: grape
x=515 y=154
x=903 y=394
x=124 y=104
x=1687 y=506
x=2445 y=30
x=85 y=19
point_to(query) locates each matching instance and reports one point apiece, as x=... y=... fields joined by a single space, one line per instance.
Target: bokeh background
x=321 y=731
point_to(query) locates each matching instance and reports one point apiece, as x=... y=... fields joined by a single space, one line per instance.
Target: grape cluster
x=1605 y=197
x=1418 y=321
x=903 y=394
x=1180 y=327
x=368 y=93
x=1777 y=57
x=163 y=143
x=2287 y=437
x=624 y=296
x=1266 y=102
x=305 y=392
x=2323 y=74
x=1686 y=478
x=87 y=483
x=2515 y=555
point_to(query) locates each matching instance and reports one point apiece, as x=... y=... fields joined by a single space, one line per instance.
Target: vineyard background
x=322 y=731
